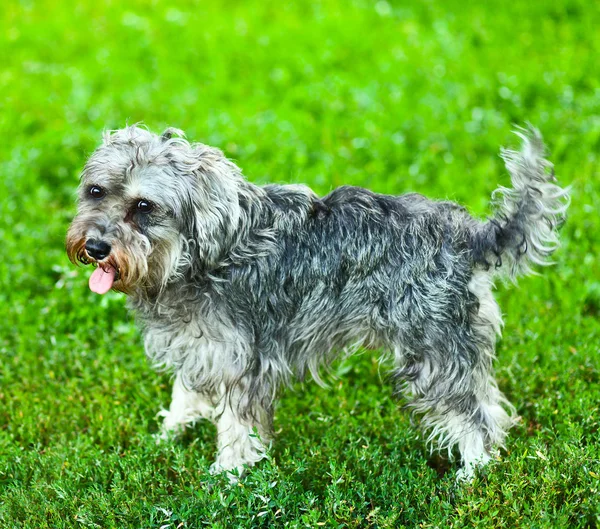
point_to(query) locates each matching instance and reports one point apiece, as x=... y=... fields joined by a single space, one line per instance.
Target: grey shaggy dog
x=242 y=288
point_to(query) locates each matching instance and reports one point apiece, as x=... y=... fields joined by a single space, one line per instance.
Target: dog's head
x=150 y=207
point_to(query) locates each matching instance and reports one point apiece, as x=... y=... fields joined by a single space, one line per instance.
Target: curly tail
x=524 y=228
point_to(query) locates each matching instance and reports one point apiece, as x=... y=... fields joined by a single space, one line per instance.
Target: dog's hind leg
x=186 y=407
x=461 y=405
x=446 y=373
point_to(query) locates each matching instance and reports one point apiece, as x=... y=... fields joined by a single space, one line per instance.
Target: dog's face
x=150 y=206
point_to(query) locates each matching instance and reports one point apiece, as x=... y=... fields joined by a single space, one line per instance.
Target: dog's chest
x=199 y=344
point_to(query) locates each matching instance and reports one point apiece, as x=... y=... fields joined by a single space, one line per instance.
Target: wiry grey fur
x=240 y=288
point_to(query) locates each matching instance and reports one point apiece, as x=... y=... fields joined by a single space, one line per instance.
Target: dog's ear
x=170 y=132
x=212 y=216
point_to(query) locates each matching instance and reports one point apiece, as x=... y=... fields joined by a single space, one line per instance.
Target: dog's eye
x=143 y=206
x=97 y=192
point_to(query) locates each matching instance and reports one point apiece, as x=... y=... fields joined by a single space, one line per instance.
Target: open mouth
x=108 y=270
x=103 y=278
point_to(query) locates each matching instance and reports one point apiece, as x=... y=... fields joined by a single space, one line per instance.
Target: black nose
x=97 y=249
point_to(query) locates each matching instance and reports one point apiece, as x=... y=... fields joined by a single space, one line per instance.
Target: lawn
x=396 y=96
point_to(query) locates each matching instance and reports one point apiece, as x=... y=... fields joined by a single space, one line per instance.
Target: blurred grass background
x=395 y=96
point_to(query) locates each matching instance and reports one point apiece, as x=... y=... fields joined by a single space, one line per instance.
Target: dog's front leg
x=186 y=407
x=244 y=436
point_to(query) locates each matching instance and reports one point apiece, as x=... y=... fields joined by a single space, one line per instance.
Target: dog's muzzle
x=103 y=278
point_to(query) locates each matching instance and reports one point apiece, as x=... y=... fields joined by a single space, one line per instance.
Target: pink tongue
x=101 y=281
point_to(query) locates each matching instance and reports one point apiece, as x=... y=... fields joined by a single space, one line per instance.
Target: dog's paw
x=233 y=474
x=467 y=472
x=164 y=437
x=170 y=429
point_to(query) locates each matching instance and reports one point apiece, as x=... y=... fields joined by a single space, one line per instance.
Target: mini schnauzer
x=242 y=288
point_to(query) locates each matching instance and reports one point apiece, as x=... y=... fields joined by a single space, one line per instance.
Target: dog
x=240 y=288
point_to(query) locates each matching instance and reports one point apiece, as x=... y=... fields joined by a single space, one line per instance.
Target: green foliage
x=396 y=96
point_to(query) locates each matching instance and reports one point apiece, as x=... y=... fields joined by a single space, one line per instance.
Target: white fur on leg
x=186 y=407
x=473 y=454
x=452 y=429
x=239 y=445
x=473 y=450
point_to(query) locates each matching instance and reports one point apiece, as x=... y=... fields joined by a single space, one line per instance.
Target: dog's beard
x=137 y=267
x=114 y=272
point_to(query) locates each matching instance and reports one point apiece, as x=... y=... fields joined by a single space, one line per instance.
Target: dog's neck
x=266 y=213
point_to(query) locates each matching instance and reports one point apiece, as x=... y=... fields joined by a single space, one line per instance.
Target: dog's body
x=241 y=288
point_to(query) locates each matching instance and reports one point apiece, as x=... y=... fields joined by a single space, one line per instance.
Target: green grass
x=398 y=96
